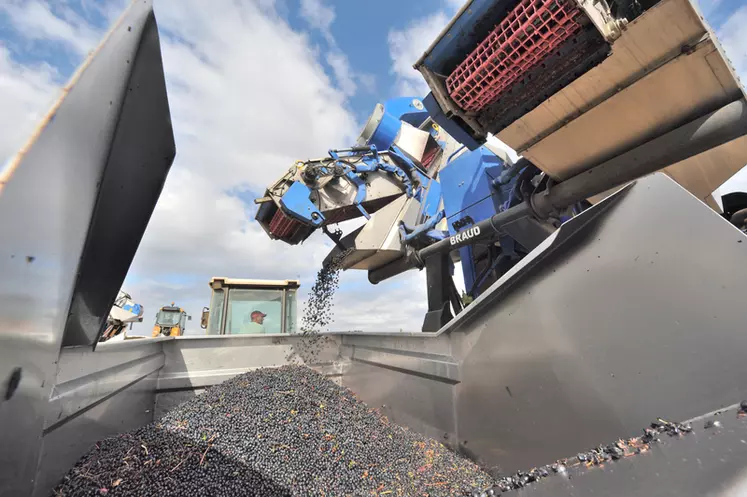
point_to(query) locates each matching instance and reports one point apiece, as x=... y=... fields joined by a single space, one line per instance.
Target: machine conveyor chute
x=571 y=91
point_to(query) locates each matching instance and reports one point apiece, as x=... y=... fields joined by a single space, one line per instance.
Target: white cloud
x=26 y=92
x=708 y=7
x=367 y=82
x=398 y=304
x=242 y=114
x=241 y=118
x=343 y=74
x=733 y=36
x=245 y=114
x=319 y=16
x=109 y=10
x=498 y=146
x=37 y=22
x=407 y=45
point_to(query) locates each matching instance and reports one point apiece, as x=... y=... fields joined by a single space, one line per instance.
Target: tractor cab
x=170 y=321
x=251 y=307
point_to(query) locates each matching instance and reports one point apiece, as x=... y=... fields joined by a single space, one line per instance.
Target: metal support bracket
x=408 y=234
x=441 y=293
x=335 y=236
x=368 y=160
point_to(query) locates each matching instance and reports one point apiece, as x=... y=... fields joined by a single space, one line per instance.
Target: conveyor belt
x=530 y=32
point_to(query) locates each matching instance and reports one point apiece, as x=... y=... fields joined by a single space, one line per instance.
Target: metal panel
x=468 y=194
x=710 y=461
x=683 y=89
x=378 y=241
x=650 y=41
x=629 y=318
x=284 y=310
x=420 y=403
x=703 y=174
x=666 y=68
x=47 y=196
x=409 y=377
x=436 y=366
x=379 y=184
x=620 y=316
x=85 y=378
x=127 y=410
x=694 y=138
x=208 y=360
x=197 y=362
x=617 y=318
x=96 y=395
x=140 y=156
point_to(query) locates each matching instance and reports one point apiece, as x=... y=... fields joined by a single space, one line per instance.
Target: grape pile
x=272 y=432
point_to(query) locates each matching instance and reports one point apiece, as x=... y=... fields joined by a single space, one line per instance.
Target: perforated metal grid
x=526 y=36
x=429 y=156
x=283 y=226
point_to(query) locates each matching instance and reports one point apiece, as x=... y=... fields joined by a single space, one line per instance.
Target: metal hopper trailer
x=604 y=296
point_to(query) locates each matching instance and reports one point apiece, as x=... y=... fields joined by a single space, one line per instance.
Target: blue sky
x=717 y=12
x=366 y=48
x=362 y=29
x=253 y=86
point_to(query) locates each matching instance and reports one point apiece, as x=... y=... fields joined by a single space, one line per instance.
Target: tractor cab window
x=216 y=312
x=254 y=311
x=291 y=315
x=167 y=317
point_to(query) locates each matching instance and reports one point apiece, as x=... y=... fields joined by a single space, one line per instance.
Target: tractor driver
x=256 y=325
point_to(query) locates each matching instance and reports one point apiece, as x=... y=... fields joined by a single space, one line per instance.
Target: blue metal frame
x=297 y=202
x=408 y=234
x=365 y=159
x=450 y=126
x=473 y=190
x=404 y=109
x=396 y=111
x=431 y=203
x=371 y=162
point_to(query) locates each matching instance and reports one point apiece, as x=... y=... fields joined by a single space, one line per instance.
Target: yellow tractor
x=170 y=321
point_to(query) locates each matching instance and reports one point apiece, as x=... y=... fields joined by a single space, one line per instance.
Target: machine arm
x=357 y=161
x=350 y=183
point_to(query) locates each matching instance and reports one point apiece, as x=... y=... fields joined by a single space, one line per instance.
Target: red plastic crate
x=526 y=36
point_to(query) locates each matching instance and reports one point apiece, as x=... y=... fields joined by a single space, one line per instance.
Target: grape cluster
x=286 y=431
